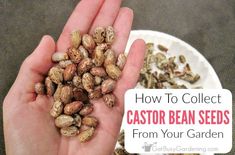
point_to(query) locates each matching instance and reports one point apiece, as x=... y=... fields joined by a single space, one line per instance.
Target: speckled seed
x=86 y=109
x=66 y=94
x=83 y=51
x=96 y=93
x=59 y=56
x=84 y=66
x=182 y=59
x=50 y=86
x=69 y=131
x=88 y=42
x=160 y=57
x=98 y=80
x=56 y=109
x=57 y=92
x=56 y=75
x=109 y=100
x=78 y=120
x=108 y=86
x=74 y=55
x=99 y=34
x=65 y=63
x=103 y=46
x=88 y=82
x=121 y=61
x=64 y=121
x=119 y=151
x=86 y=135
x=162 y=48
x=113 y=71
x=90 y=121
x=121 y=138
x=73 y=107
x=76 y=38
x=79 y=95
x=110 y=34
x=98 y=71
x=77 y=81
x=110 y=57
x=69 y=72
x=98 y=57
x=39 y=88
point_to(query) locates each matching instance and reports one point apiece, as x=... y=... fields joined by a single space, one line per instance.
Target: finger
x=107 y=14
x=81 y=18
x=122 y=27
x=34 y=67
x=131 y=71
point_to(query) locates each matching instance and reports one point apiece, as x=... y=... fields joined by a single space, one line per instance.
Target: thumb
x=34 y=67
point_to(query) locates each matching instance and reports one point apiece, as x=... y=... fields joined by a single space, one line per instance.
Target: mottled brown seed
x=73 y=107
x=110 y=34
x=77 y=81
x=79 y=95
x=50 y=86
x=74 y=55
x=96 y=93
x=99 y=34
x=120 y=151
x=162 y=48
x=108 y=86
x=83 y=52
x=78 y=120
x=56 y=109
x=39 y=88
x=84 y=66
x=90 y=121
x=98 y=71
x=88 y=42
x=88 y=82
x=56 y=95
x=86 y=135
x=121 y=138
x=98 y=57
x=76 y=38
x=121 y=61
x=103 y=46
x=69 y=131
x=64 y=121
x=59 y=56
x=65 y=63
x=86 y=109
x=69 y=72
x=160 y=57
x=109 y=100
x=56 y=75
x=110 y=57
x=182 y=59
x=113 y=71
x=66 y=94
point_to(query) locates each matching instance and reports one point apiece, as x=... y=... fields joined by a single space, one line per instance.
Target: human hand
x=28 y=127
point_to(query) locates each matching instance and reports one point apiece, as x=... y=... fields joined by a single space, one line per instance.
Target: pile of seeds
x=121 y=150
x=168 y=70
x=88 y=70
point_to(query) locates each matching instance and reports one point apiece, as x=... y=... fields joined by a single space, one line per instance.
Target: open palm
x=28 y=127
